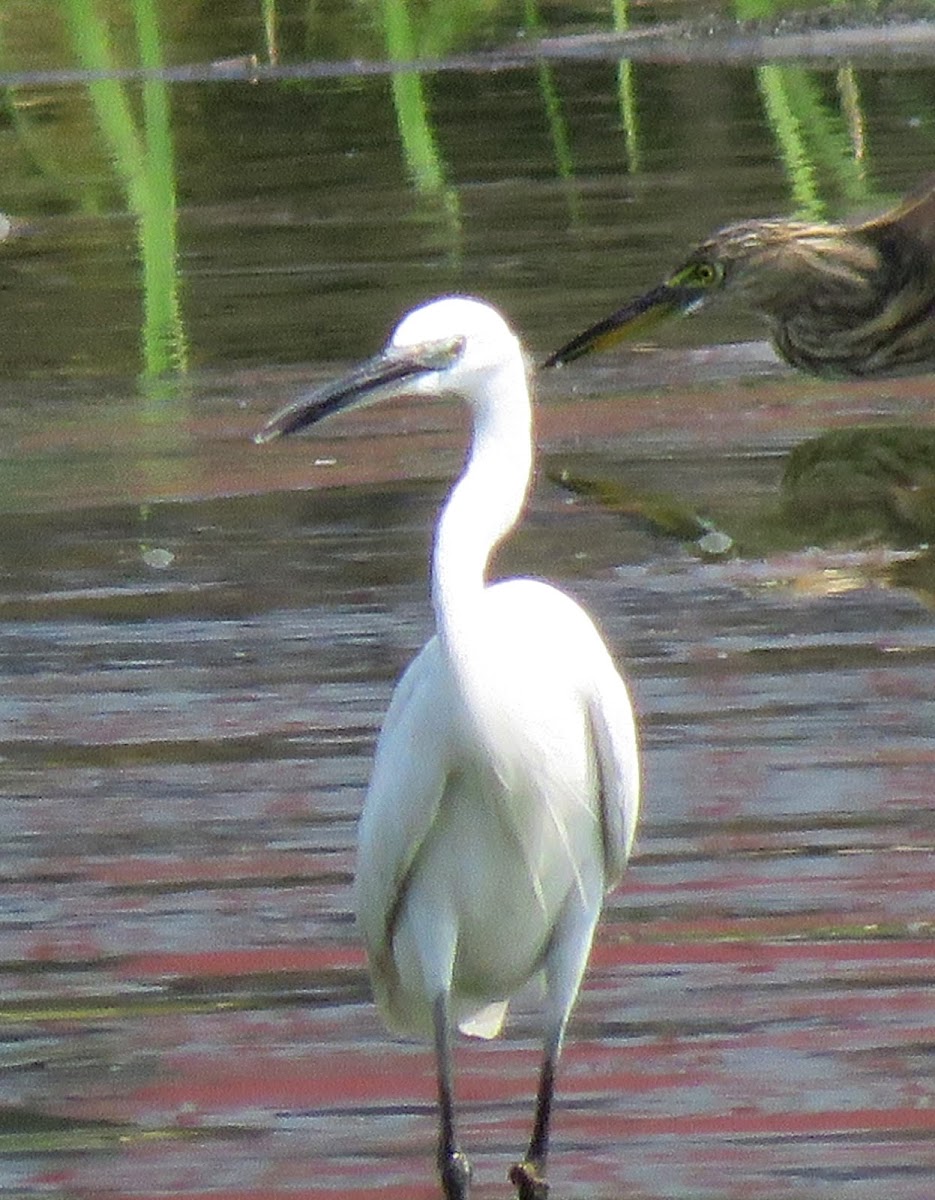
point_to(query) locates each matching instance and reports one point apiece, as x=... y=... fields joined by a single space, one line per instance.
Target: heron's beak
x=633 y=319
x=376 y=379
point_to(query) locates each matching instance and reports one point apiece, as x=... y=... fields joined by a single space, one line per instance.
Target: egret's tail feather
x=485 y=1022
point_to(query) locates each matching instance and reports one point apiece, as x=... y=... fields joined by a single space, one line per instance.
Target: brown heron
x=838 y=299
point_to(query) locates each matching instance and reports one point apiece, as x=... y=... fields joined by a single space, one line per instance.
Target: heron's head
x=773 y=263
x=779 y=265
x=445 y=346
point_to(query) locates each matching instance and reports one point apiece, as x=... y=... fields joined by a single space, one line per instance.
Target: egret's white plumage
x=504 y=794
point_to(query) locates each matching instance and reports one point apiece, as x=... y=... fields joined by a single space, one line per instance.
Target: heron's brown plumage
x=838 y=299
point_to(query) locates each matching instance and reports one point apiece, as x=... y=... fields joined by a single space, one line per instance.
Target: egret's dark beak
x=373 y=380
x=634 y=318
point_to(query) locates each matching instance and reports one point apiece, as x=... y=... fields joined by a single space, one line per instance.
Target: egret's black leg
x=453 y=1165
x=528 y=1176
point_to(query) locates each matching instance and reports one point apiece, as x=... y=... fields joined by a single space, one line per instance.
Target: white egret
x=505 y=788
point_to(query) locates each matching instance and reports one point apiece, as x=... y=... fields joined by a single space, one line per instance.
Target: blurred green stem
x=849 y=92
x=145 y=166
x=808 y=136
x=271 y=30
x=164 y=337
x=420 y=149
x=558 y=129
x=772 y=82
x=626 y=91
x=418 y=140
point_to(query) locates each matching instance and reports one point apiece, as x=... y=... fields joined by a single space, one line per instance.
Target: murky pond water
x=200 y=636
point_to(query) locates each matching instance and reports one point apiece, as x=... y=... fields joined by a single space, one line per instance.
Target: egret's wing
x=409 y=774
x=613 y=729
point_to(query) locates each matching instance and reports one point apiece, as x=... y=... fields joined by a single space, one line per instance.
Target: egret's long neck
x=485 y=502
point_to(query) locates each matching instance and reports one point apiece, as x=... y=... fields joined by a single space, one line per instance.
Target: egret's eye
x=446 y=353
x=439 y=354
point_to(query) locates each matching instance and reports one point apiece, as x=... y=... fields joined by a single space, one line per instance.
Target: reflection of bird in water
x=865 y=483
x=838 y=299
x=504 y=794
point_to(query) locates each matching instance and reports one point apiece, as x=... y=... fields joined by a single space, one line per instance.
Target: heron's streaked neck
x=485 y=502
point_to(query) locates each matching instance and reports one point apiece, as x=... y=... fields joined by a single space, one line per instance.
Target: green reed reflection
x=271 y=30
x=142 y=156
x=772 y=82
x=144 y=161
x=813 y=141
x=810 y=138
x=626 y=91
x=417 y=136
x=558 y=128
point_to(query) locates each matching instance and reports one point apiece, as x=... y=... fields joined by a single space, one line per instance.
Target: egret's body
x=504 y=793
x=504 y=829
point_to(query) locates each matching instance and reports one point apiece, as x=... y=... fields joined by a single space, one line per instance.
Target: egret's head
x=484 y=338
x=443 y=346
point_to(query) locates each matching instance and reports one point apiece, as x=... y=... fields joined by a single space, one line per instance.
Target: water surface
x=200 y=638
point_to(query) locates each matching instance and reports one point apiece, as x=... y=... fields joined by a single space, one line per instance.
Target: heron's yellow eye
x=707 y=274
x=703 y=274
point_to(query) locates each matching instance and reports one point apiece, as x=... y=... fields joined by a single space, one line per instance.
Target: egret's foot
x=455 y=1171
x=526 y=1177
